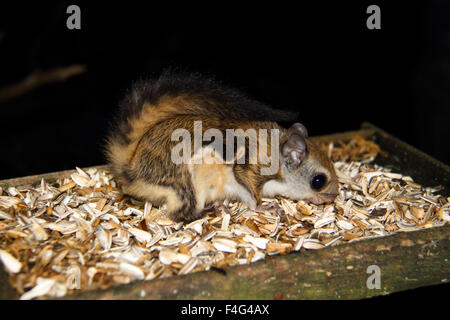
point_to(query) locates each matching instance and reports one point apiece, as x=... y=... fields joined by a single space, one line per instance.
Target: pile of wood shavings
x=81 y=232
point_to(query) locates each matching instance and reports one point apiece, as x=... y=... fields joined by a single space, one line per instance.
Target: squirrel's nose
x=322 y=198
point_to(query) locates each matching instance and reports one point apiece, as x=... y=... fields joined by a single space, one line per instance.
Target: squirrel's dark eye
x=318 y=181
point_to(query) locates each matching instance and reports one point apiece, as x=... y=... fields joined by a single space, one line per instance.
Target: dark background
x=318 y=58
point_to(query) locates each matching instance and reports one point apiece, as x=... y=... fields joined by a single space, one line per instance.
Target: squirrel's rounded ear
x=298 y=128
x=294 y=149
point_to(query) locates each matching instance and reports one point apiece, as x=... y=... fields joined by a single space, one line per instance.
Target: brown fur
x=139 y=148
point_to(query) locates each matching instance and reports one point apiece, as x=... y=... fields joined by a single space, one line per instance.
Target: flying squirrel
x=139 y=149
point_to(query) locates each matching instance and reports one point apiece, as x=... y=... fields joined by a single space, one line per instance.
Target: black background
x=318 y=58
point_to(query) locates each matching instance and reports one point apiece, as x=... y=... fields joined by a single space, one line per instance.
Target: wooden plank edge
x=406 y=261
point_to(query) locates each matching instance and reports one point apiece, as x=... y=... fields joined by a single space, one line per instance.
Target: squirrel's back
x=175 y=95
